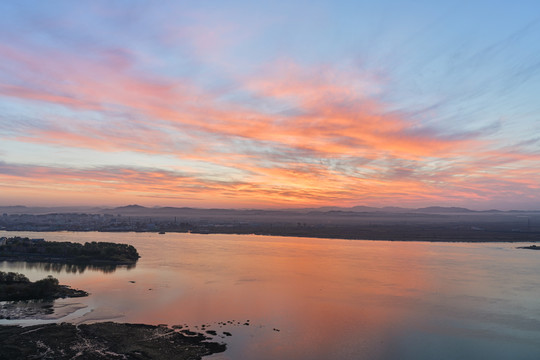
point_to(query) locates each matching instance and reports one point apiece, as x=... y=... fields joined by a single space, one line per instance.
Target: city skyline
x=270 y=105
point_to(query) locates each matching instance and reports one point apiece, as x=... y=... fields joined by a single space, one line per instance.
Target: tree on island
x=15 y=286
x=30 y=250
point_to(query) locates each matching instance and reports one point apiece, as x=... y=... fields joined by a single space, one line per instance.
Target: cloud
x=336 y=110
x=287 y=133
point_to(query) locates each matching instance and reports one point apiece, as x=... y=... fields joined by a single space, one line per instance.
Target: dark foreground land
x=106 y=340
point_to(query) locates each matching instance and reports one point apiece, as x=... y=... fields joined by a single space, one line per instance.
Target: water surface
x=329 y=299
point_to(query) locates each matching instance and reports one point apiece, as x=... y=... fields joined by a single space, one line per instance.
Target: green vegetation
x=26 y=249
x=15 y=286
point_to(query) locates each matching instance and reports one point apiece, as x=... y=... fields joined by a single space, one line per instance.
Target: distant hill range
x=138 y=210
x=394 y=209
x=20 y=209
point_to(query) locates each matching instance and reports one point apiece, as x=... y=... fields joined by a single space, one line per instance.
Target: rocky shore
x=105 y=340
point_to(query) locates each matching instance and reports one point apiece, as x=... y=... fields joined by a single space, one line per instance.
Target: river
x=305 y=298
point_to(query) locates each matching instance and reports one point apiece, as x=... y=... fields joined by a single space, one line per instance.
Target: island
x=16 y=287
x=25 y=249
x=532 y=247
x=105 y=340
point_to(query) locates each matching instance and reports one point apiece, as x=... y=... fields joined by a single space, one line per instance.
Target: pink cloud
x=338 y=116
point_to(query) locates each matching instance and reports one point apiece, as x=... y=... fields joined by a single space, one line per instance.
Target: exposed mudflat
x=105 y=340
x=38 y=309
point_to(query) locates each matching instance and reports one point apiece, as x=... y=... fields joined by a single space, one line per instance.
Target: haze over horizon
x=436 y=209
x=270 y=105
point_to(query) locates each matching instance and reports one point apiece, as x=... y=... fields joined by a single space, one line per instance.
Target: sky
x=243 y=104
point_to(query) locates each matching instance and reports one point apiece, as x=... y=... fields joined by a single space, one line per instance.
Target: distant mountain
x=14 y=208
x=129 y=210
x=396 y=209
x=132 y=208
x=320 y=212
x=364 y=209
x=135 y=210
x=337 y=208
x=386 y=209
x=36 y=210
x=442 y=210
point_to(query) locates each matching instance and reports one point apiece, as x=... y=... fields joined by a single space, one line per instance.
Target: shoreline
x=536 y=238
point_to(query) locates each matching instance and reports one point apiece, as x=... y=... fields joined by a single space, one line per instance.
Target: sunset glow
x=281 y=104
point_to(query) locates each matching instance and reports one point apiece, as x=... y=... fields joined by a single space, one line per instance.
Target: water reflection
x=57 y=267
x=328 y=298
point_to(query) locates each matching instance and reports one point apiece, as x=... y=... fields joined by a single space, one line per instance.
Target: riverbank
x=384 y=232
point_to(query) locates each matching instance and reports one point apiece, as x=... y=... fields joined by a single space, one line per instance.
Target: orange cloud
x=301 y=136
